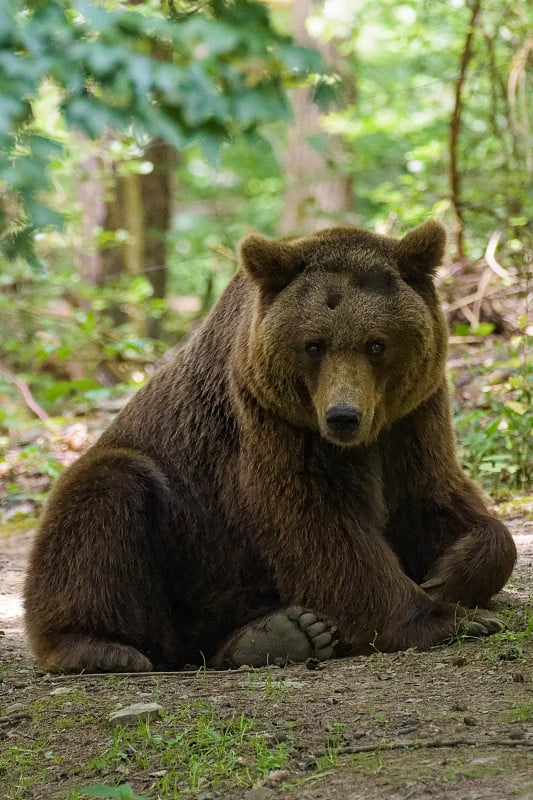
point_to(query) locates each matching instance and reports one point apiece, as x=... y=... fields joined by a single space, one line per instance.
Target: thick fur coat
x=297 y=450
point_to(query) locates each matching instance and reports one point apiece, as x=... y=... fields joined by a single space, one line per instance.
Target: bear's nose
x=342 y=420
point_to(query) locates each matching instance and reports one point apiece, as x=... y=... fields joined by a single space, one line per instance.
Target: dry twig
x=24 y=389
x=430 y=744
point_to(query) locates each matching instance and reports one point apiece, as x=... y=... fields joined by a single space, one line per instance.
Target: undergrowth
x=496 y=440
x=193 y=751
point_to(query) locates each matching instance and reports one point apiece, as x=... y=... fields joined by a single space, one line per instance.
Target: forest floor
x=454 y=723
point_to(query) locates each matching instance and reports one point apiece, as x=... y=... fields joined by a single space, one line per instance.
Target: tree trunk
x=91 y=197
x=316 y=193
x=156 y=196
x=140 y=205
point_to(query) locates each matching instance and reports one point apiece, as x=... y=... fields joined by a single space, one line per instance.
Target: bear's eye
x=315 y=350
x=375 y=347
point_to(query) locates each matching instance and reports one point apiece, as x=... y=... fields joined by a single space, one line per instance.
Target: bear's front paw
x=478 y=622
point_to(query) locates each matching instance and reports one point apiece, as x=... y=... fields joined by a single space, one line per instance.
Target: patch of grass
x=521 y=713
x=509 y=644
x=123 y=792
x=9 y=667
x=488 y=766
x=273 y=688
x=72 y=704
x=362 y=764
x=334 y=742
x=366 y=763
x=192 y=751
x=68 y=722
x=23 y=767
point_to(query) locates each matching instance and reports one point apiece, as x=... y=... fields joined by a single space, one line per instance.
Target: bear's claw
x=480 y=623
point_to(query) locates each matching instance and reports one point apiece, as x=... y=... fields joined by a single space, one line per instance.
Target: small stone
x=132 y=714
x=14 y=707
x=277 y=777
x=471 y=722
x=258 y=793
x=61 y=690
x=518 y=677
x=460 y=661
x=460 y=706
x=519 y=733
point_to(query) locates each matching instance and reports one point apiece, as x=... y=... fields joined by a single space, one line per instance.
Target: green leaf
x=42 y=216
x=326 y=92
x=516 y=407
x=483 y=329
x=301 y=60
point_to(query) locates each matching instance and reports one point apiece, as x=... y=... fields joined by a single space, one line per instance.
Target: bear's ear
x=271 y=263
x=420 y=252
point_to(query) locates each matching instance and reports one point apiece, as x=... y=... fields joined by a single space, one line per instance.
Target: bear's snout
x=342 y=420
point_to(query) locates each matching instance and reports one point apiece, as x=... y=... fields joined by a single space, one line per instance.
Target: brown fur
x=220 y=492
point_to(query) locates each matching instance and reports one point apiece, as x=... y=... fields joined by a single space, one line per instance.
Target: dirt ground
x=456 y=722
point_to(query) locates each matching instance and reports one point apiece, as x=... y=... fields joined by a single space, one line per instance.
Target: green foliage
x=203 y=77
x=196 y=750
x=497 y=440
x=213 y=74
x=407 y=67
x=65 y=355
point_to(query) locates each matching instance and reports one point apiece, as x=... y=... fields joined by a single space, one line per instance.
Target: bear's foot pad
x=290 y=634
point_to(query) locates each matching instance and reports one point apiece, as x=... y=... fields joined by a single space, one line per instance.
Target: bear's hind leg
x=87 y=654
x=98 y=591
x=290 y=634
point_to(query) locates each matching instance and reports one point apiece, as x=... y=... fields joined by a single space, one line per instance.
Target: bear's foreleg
x=477 y=565
x=439 y=524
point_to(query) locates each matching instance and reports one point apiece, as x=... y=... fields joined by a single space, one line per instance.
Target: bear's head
x=347 y=335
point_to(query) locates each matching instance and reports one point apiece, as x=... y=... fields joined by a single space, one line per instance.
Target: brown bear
x=285 y=487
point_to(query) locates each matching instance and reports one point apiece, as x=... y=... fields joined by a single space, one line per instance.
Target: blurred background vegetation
x=141 y=140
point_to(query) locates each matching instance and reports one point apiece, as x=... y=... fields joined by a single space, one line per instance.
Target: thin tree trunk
x=455 y=127
x=91 y=197
x=316 y=193
x=156 y=194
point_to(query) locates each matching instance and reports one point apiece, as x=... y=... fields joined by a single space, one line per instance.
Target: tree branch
x=430 y=744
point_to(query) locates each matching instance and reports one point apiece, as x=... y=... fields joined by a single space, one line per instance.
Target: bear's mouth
x=356 y=435
x=345 y=440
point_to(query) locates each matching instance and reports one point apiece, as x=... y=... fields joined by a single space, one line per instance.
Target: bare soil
x=456 y=722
